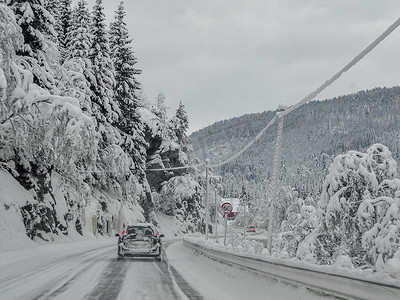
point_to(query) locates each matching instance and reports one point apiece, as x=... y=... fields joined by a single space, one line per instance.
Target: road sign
x=227 y=208
x=231 y=216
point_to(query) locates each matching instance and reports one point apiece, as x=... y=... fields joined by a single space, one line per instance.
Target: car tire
x=158 y=258
x=119 y=255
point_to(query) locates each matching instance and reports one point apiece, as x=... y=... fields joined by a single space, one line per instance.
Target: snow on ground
x=169 y=226
x=44 y=271
x=12 y=229
x=218 y=281
x=20 y=257
x=389 y=276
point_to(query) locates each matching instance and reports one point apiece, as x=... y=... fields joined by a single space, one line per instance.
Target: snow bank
x=12 y=229
x=342 y=267
x=13 y=196
x=169 y=226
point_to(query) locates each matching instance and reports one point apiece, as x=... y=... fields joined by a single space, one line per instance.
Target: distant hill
x=313 y=135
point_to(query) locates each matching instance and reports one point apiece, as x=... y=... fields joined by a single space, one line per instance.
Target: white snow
x=12 y=229
x=219 y=281
x=342 y=267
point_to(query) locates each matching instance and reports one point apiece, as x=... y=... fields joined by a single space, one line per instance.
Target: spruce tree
x=79 y=40
x=124 y=61
x=77 y=59
x=39 y=50
x=159 y=108
x=63 y=27
x=105 y=107
x=126 y=85
x=180 y=125
x=53 y=7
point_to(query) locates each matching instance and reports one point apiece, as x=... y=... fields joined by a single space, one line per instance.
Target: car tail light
x=123 y=232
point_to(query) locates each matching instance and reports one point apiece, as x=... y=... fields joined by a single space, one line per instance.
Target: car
x=251 y=229
x=139 y=240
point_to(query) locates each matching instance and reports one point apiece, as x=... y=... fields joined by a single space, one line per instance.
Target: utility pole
x=216 y=216
x=206 y=199
x=244 y=219
x=277 y=167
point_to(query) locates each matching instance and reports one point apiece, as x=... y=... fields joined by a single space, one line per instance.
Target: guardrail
x=332 y=284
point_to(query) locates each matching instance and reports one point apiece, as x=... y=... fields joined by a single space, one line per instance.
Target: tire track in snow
x=110 y=282
x=64 y=281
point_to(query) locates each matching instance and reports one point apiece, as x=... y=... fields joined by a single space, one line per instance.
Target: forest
x=339 y=191
x=76 y=129
x=78 y=134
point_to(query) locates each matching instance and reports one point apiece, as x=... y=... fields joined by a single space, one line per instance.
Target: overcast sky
x=225 y=58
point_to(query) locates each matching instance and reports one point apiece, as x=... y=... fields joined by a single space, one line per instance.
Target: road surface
x=90 y=270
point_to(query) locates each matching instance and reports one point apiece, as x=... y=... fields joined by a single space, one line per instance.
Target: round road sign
x=227 y=208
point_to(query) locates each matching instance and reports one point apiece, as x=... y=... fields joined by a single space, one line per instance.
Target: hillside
x=313 y=135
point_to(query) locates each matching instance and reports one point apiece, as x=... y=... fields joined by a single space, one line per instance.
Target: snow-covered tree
x=52 y=6
x=379 y=213
x=383 y=237
x=159 y=108
x=39 y=133
x=39 y=50
x=179 y=125
x=300 y=222
x=79 y=39
x=124 y=60
x=353 y=178
x=126 y=86
x=181 y=196
x=64 y=22
x=105 y=107
x=78 y=67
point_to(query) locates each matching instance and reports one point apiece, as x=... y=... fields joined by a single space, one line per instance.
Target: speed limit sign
x=227 y=208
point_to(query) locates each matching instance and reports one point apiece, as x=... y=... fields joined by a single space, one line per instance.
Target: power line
x=309 y=97
x=354 y=61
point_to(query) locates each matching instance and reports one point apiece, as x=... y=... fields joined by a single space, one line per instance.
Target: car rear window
x=147 y=231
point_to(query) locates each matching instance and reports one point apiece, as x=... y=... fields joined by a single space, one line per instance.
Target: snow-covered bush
x=181 y=196
x=382 y=240
x=352 y=211
x=301 y=220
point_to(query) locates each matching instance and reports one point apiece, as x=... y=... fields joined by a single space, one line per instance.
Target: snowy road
x=87 y=270
x=90 y=270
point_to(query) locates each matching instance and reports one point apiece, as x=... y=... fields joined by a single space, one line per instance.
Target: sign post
x=206 y=199
x=226 y=209
x=94 y=225
x=216 y=216
x=276 y=176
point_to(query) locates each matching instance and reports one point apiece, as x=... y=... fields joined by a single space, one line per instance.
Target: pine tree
x=159 y=108
x=77 y=60
x=53 y=7
x=180 y=125
x=39 y=50
x=124 y=61
x=79 y=40
x=63 y=27
x=105 y=107
x=126 y=85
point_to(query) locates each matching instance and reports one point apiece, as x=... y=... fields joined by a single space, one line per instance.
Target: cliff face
x=55 y=207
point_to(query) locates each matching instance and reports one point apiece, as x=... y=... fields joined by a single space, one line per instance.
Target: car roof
x=140 y=225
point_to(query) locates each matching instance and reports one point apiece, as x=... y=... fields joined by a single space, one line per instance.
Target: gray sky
x=225 y=58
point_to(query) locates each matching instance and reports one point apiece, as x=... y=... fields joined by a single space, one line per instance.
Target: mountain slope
x=313 y=135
